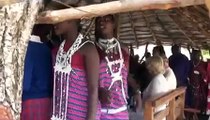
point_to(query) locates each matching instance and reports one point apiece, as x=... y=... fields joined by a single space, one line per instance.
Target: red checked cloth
x=36 y=109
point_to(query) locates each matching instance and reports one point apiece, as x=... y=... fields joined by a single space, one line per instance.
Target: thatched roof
x=186 y=26
x=190 y=25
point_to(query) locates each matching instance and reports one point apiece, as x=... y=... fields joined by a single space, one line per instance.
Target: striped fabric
x=117 y=99
x=36 y=109
x=78 y=95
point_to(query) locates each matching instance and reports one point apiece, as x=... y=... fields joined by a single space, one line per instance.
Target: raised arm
x=131 y=82
x=92 y=72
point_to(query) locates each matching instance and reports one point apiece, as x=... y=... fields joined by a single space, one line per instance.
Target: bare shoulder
x=88 y=48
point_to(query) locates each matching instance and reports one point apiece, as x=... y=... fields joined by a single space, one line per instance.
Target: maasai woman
x=198 y=83
x=114 y=62
x=75 y=75
x=38 y=77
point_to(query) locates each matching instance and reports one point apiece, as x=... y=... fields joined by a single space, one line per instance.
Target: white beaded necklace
x=116 y=76
x=63 y=66
x=108 y=44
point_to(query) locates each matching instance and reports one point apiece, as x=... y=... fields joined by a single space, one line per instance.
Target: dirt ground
x=133 y=115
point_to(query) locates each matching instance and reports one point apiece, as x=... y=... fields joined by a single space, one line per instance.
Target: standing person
x=147 y=55
x=38 y=77
x=114 y=64
x=198 y=82
x=158 y=51
x=142 y=75
x=208 y=81
x=75 y=75
x=179 y=63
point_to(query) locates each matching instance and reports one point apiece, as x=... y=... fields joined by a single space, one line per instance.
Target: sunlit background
x=141 y=50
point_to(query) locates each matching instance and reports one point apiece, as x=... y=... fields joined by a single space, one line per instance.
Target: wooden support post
x=149 y=111
x=17 y=21
x=172 y=108
x=133 y=29
x=182 y=105
x=118 y=26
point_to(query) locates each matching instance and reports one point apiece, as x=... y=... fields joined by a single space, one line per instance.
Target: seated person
x=158 y=85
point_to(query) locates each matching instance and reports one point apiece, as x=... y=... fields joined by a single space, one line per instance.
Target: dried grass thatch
x=181 y=25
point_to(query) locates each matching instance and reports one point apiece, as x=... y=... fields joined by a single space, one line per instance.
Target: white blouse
x=171 y=78
x=157 y=87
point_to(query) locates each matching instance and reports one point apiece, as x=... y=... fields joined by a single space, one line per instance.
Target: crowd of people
x=178 y=71
x=78 y=79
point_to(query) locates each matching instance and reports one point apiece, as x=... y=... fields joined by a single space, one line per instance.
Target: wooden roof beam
x=118 y=26
x=133 y=29
x=8 y=2
x=114 y=7
x=150 y=28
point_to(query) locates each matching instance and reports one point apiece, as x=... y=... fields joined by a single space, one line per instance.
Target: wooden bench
x=175 y=106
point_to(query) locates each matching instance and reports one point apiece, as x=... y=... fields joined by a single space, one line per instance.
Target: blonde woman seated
x=158 y=85
x=169 y=74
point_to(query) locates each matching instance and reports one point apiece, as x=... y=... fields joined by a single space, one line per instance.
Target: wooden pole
x=207 y=2
x=17 y=21
x=114 y=7
x=149 y=111
x=8 y=2
x=172 y=108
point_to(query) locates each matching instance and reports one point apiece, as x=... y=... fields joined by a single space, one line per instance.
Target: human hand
x=138 y=100
x=104 y=96
x=5 y=113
